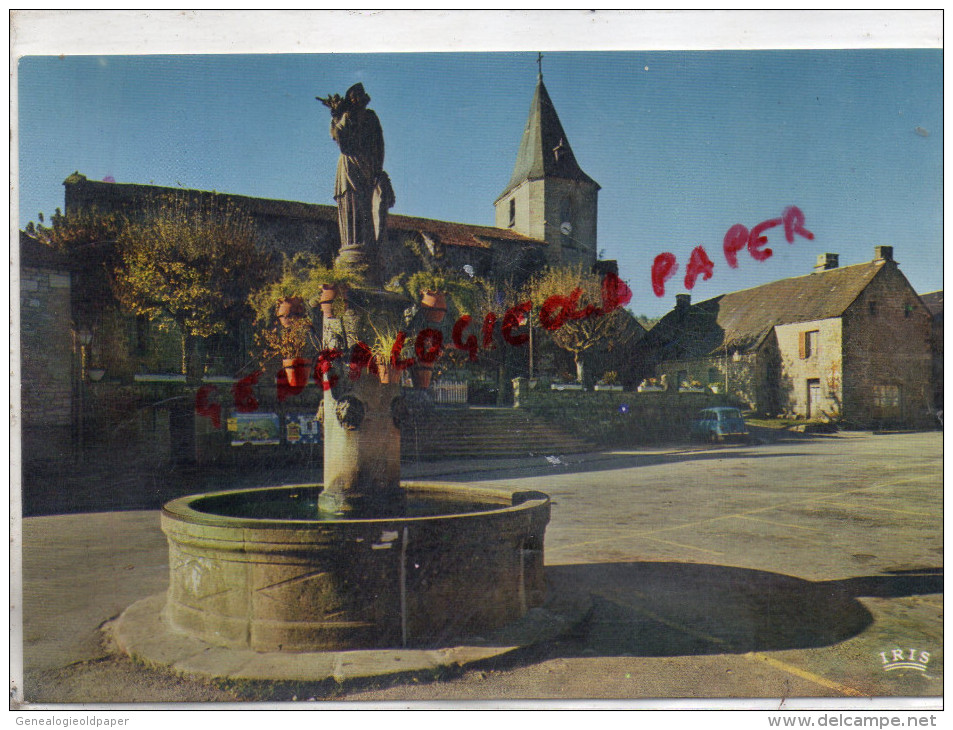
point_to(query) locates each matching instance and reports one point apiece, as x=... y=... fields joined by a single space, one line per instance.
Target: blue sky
x=684 y=144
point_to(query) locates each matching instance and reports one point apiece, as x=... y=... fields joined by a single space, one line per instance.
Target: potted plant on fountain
x=327 y=287
x=432 y=289
x=386 y=358
x=290 y=342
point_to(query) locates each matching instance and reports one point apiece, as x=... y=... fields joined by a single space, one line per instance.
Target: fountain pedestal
x=362 y=450
x=361 y=420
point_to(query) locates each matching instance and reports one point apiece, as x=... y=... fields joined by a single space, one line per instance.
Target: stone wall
x=617 y=418
x=540 y=211
x=802 y=363
x=743 y=377
x=283 y=226
x=46 y=347
x=47 y=364
x=579 y=245
x=887 y=345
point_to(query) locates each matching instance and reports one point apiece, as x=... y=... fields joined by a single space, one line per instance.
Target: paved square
x=793 y=569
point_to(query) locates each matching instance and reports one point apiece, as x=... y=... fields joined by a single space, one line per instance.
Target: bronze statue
x=362 y=189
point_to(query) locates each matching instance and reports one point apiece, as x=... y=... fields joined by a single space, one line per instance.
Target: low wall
x=616 y=418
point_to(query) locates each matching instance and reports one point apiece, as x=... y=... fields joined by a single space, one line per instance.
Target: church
x=546 y=215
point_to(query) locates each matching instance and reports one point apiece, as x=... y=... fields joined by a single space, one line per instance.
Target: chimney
x=883 y=253
x=826 y=262
x=682 y=302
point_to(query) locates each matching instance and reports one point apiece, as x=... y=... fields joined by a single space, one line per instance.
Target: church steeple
x=544 y=150
x=548 y=195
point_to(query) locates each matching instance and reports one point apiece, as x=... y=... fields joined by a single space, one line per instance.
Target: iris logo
x=905 y=659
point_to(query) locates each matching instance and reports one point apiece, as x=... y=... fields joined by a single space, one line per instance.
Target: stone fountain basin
x=249 y=569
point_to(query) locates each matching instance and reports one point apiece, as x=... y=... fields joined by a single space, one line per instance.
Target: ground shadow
x=537 y=466
x=685 y=609
x=116 y=484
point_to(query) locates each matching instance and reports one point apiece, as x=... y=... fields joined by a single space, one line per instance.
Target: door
x=813 y=398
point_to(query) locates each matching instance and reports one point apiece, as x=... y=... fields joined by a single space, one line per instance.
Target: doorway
x=813 y=398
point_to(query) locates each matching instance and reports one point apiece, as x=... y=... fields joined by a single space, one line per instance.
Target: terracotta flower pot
x=297 y=370
x=328 y=294
x=291 y=307
x=434 y=304
x=387 y=373
x=422 y=375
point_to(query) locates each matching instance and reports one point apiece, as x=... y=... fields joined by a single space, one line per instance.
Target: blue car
x=719 y=424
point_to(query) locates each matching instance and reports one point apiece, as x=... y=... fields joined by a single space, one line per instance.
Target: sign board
x=259 y=429
x=302 y=428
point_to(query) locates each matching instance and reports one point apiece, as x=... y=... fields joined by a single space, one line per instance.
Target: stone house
x=851 y=342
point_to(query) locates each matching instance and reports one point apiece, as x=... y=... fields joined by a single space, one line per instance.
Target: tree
x=190 y=266
x=87 y=240
x=570 y=303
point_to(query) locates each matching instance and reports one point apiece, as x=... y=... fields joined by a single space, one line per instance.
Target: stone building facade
x=934 y=302
x=47 y=357
x=849 y=342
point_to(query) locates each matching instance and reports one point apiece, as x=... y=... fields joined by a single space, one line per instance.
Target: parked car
x=719 y=424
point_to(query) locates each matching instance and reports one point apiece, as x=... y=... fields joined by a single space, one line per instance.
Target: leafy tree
x=190 y=266
x=87 y=239
x=589 y=327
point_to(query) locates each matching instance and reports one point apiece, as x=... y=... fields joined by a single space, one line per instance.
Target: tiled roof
x=459 y=234
x=448 y=233
x=741 y=320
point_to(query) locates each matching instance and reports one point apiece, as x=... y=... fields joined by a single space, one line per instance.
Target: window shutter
x=802 y=344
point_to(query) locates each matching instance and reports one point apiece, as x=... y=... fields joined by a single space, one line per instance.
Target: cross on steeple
x=539 y=62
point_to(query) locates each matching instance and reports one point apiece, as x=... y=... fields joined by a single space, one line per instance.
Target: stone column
x=361 y=421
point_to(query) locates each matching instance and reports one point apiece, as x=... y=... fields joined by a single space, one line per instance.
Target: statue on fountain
x=362 y=189
x=361 y=419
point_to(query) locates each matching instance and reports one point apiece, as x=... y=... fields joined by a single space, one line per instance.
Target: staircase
x=485 y=433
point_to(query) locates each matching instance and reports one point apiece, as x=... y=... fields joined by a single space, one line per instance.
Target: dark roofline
x=38 y=255
x=296 y=209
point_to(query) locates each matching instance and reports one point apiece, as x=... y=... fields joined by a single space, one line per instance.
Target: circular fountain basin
x=260 y=569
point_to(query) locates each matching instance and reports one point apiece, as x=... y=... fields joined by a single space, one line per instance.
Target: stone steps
x=485 y=433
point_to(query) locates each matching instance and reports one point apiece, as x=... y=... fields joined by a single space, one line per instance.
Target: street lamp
x=85 y=338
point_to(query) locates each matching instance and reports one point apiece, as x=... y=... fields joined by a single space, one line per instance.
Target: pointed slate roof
x=544 y=149
x=741 y=320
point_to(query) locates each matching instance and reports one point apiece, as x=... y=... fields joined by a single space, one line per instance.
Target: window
x=565 y=211
x=512 y=212
x=887 y=397
x=872 y=307
x=808 y=343
x=907 y=310
x=713 y=375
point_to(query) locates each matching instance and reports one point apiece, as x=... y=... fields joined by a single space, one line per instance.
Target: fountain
x=362 y=560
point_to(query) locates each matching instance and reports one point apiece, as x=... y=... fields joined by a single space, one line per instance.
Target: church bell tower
x=549 y=197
